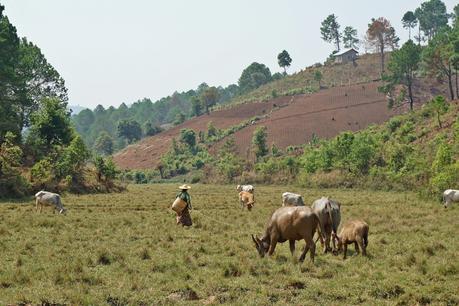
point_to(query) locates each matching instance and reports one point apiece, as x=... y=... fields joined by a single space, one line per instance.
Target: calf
x=246 y=200
x=353 y=232
x=292 y=199
x=48 y=198
x=289 y=223
x=450 y=196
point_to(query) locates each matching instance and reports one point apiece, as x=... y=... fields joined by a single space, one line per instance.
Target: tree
x=438 y=55
x=456 y=16
x=350 y=39
x=104 y=144
x=318 y=77
x=259 y=141
x=209 y=98
x=129 y=129
x=84 y=120
x=432 y=17
x=150 y=130
x=401 y=69
x=179 y=118
x=330 y=30
x=51 y=123
x=381 y=34
x=253 y=77
x=40 y=80
x=284 y=60
x=72 y=159
x=211 y=129
x=188 y=137
x=440 y=106
x=196 y=106
x=11 y=181
x=409 y=21
x=105 y=169
x=9 y=81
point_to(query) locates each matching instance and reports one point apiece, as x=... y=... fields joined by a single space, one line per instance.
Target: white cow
x=247 y=188
x=450 y=196
x=49 y=198
x=292 y=199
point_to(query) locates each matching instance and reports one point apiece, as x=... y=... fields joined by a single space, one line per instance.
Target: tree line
x=38 y=145
x=108 y=130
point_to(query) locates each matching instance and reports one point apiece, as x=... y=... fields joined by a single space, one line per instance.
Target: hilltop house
x=346 y=56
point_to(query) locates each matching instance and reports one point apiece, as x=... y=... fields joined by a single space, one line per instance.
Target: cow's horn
x=254 y=240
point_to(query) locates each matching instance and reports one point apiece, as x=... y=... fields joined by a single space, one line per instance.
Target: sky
x=112 y=51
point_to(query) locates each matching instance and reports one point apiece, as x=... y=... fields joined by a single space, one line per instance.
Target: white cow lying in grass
x=49 y=198
x=450 y=196
x=292 y=199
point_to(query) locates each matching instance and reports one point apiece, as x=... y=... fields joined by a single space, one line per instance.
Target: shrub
x=394 y=124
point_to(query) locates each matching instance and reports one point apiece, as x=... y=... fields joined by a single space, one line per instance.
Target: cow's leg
x=36 y=205
x=305 y=250
x=272 y=246
x=362 y=246
x=357 y=250
x=292 y=246
x=344 y=250
x=312 y=248
x=327 y=241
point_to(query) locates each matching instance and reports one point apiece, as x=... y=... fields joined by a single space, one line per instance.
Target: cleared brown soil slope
x=324 y=114
x=147 y=153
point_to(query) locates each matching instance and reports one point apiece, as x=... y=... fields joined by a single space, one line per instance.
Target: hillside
x=348 y=100
x=290 y=121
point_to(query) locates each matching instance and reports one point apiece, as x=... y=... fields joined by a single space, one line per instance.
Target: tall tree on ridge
x=432 y=16
x=409 y=21
x=381 y=35
x=350 y=39
x=284 y=60
x=330 y=30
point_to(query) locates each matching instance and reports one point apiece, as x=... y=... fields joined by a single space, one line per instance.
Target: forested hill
x=123 y=125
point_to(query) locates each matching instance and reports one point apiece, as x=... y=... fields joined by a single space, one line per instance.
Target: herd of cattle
x=293 y=221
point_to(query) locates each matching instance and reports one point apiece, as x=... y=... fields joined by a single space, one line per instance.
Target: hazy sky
x=111 y=51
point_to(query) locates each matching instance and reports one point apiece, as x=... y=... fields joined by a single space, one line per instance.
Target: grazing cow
x=292 y=199
x=49 y=198
x=246 y=200
x=353 y=232
x=329 y=215
x=450 y=196
x=289 y=223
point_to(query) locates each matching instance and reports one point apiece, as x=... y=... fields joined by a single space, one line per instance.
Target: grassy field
x=125 y=249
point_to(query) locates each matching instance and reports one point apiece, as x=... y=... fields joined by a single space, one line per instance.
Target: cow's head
x=39 y=194
x=239 y=188
x=262 y=246
x=339 y=246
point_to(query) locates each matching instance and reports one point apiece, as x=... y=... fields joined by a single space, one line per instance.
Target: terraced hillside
x=290 y=121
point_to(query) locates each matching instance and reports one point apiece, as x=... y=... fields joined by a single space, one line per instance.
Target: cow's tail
x=365 y=239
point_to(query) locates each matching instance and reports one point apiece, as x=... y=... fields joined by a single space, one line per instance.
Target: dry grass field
x=125 y=249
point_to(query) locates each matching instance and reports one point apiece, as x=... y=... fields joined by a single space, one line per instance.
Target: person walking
x=184 y=216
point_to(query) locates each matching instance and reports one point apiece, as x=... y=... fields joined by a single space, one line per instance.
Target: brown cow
x=246 y=200
x=356 y=232
x=289 y=223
